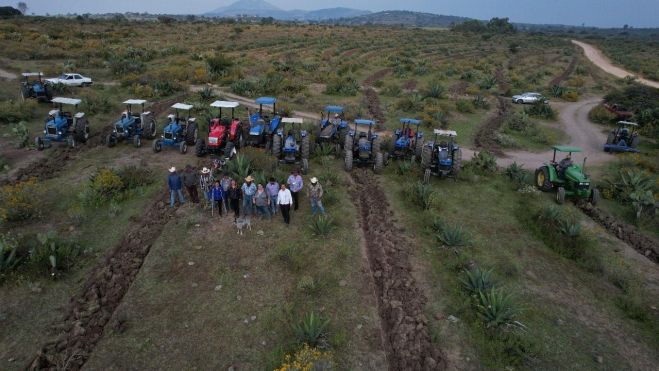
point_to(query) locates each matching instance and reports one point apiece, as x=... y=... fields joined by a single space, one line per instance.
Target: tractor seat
x=327 y=131
x=290 y=142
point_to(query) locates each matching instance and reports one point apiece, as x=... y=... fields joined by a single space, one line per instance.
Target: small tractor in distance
x=332 y=130
x=178 y=132
x=261 y=126
x=292 y=146
x=132 y=125
x=363 y=148
x=408 y=142
x=568 y=179
x=36 y=88
x=224 y=135
x=64 y=126
x=623 y=139
x=441 y=157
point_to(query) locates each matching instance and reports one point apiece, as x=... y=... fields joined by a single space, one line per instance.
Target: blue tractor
x=442 y=156
x=179 y=131
x=363 y=148
x=408 y=140
x=64 y=126
x=35 y=88
x=623 y=139
x=132 y=125
x=332 y=128
x=262 y=126
x=292 y=146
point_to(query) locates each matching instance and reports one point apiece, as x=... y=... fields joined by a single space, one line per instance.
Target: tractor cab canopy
x=445 y=133
x=182 y=107
x=68 y=101
x=627 y=123
x=364 y=122
x=333 y=109
x=410 y=121
x=266 y=100
x=27 y=75
x=568 y=149
x=130 y=102
x=224 y=104
x=292 y=120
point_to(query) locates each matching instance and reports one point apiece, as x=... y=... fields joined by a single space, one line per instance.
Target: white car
x=71 y=79
x=529 y=98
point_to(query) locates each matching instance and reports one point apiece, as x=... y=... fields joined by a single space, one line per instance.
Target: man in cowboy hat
x=175 y=187
x=315 y=194
x=206 y=182
x=190 y=182
x=249 y=189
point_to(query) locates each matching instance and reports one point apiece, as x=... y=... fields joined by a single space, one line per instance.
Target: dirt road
x=4 y=74
x=601 y=61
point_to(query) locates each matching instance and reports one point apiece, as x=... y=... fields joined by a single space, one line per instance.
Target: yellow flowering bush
x=20 y=201
x=104 y=186
x=308 y=359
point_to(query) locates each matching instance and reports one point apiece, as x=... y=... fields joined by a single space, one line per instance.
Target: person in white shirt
x=285 y=200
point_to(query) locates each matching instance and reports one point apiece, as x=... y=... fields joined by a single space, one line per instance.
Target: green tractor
x=568 y=179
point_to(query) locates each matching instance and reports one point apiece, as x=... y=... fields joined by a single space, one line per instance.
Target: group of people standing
x=223 y=194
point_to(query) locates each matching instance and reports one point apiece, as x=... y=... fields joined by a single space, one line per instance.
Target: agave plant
x=404 y=167
x=497 y=309
x=475 y=280
x=453 y=236
x=434 y=91
x=323 y=150
x=239 y=167
x=570 y=229
x=312 y=330
x=517 y=173
x=422 y=195
x=8 y=258
x=557 y=91
x=550 y=214
x=322 y=225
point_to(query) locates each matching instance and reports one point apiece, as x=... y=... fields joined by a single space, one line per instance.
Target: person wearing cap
x=262 y=202
x=205 y=182
x=175 y=187
x=225 y=182
x=285 y=200
x=190 y=182
x=235 y=194
x=336 y=121
x=295 y=185
x=249 y=189
x=315 y=194
x=273 y=190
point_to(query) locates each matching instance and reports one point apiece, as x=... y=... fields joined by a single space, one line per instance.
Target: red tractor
x=224 y=135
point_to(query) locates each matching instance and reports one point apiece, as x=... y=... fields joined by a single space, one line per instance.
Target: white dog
x=243 y=224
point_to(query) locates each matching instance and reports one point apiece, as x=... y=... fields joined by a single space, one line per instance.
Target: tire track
x=486 y=136
x=400 y=301
x=90 y=310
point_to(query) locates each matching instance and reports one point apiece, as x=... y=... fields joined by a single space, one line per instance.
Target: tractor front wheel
x=418 y=147
x=157 y=145
x=426 y=156
x=183 y=147
x=38 y=142
x=151 y=129
x=137 y=142
x=595 y=196
x=200 y=148
x=379 y=163
x=426 y=176
x=305 y=148
x=560 y=195
x=305 y=166
x=111 y=140
x=348 y=160
x=542 y=179
x=276 y=146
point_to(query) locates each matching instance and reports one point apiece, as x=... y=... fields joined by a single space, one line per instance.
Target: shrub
x=308 y=285
x=570 y=96
x=392 y=90
x=323 y=150
x=464 y=106
x=540 y=109
x=519 y=121
x=20 y=201
x=22 y=134
x=244 y=87
x=346 y=85
x=308 y=358
x=311 y=330
x=475 y=281
x=484 y=162
x=517 y=174
x=8 y=258
x=291 y=257
x=404 y=167
x=322 y=225
x=557 y=91
x=481 y=102
x=53 y=254
x=497 y=310
x=601 y=115
x=104 y=186
x=135 y=176
x=11 y=111
x=219 y=65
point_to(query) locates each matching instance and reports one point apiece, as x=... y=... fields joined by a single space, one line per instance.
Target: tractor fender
x=553 y=174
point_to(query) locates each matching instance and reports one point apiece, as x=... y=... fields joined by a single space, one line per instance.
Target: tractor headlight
x=44 y=131
x=59 y=133
x=584 y=184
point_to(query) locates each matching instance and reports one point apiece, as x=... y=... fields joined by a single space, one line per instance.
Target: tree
x=22 y=7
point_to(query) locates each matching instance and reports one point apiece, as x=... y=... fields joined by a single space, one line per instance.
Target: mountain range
x=261 y=8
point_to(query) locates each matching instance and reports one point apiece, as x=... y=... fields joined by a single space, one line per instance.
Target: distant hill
x=8 y=11
x=261 y=8
x=402 y=17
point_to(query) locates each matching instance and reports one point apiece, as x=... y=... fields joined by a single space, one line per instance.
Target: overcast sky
x=601 y=13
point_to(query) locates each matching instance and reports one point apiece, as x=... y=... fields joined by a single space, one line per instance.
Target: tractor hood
x=58 y=122
x=124 y=122
x=172 y=128
x=574 y=173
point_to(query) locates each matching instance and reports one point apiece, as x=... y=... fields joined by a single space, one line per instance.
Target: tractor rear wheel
x=560 y=195
x=200 y=148
x=610 y=138
x=38 y=142
x=347 y=143
x=542 y=179
x=305 y=148
x=347 y=161
x=426 y=176
x=183 y=147
x=379 y=163
x=457 y=162
x=192 y=134
x=595 y=196
x=81 y=130
x=228 y=150
x=337 y=150
x=276 y=146
x=634 y=142
x=111 y=140
x=25 y=92
x=151 y=129
x=137 y=141
x=157 y=145
x=48 y=91
x=377 y=145
x=418 y=147
x=305 y=166
x=426 y=157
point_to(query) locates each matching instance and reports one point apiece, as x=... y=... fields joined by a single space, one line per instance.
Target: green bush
x=541 y=110
x=570 y=96
x=519 y=121
x=53 y=254
x=22 y=134
x=8 y=255
x=323 y=150
x=346 y=85
x=21 y=201
x=312 y=330
x=404 y=168
x=464 y=106
x=240 y=167
x=422 y=195
x=601 y=115
x=497 y=310
x=12 y=112
x=483 y=162
x=219 y=64
x=517 y=174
